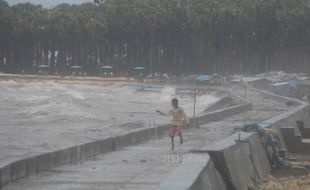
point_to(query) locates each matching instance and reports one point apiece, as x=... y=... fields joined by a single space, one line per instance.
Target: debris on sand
x=291 y=183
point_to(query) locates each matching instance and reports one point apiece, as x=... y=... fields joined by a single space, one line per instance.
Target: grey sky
x=48 y=3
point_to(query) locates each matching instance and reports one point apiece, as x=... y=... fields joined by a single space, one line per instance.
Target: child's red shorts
x=175 y=130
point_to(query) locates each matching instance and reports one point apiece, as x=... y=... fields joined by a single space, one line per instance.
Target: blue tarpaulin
x=294 y=83
x=284 y=88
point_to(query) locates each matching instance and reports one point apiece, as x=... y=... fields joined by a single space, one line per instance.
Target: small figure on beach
x=179 y=120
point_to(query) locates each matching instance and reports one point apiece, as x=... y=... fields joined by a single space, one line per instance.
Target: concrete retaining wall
x=80 y=153
x=209 y=178
x=219 y=114
x=240 y=162
x=72 y=155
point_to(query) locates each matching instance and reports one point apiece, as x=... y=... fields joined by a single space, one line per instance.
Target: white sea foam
x=33 y=103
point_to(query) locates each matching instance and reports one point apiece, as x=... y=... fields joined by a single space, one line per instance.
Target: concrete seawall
x=241 y=159
x=219 y=114
x=72 y=155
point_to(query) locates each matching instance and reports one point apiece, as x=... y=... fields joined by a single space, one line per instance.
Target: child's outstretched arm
x=163 y=113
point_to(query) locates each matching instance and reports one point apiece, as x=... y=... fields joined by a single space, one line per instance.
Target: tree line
x=164 y=36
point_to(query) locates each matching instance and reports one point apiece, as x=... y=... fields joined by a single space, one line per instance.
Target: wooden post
x=195 y=97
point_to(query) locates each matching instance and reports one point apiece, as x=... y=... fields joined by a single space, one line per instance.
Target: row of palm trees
x=165 y=36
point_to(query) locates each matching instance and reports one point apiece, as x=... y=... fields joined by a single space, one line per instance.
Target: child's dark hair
x=175 y=101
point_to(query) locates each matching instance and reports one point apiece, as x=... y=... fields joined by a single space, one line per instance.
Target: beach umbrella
x=139 y=68
x=43 y=66
x=76 y=67
x=106 y=67
x=202 y=78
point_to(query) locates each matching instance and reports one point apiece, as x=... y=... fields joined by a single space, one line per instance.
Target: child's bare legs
x=172 y=143
x=181 y=138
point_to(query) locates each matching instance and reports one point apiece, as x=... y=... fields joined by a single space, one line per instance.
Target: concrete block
x=240 y=163
x=209 y=178
x=259 y=156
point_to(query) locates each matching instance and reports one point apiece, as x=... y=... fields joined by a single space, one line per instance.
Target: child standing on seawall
x=179 y=119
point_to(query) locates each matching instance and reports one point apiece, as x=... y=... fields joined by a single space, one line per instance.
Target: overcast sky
x=48 y=3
